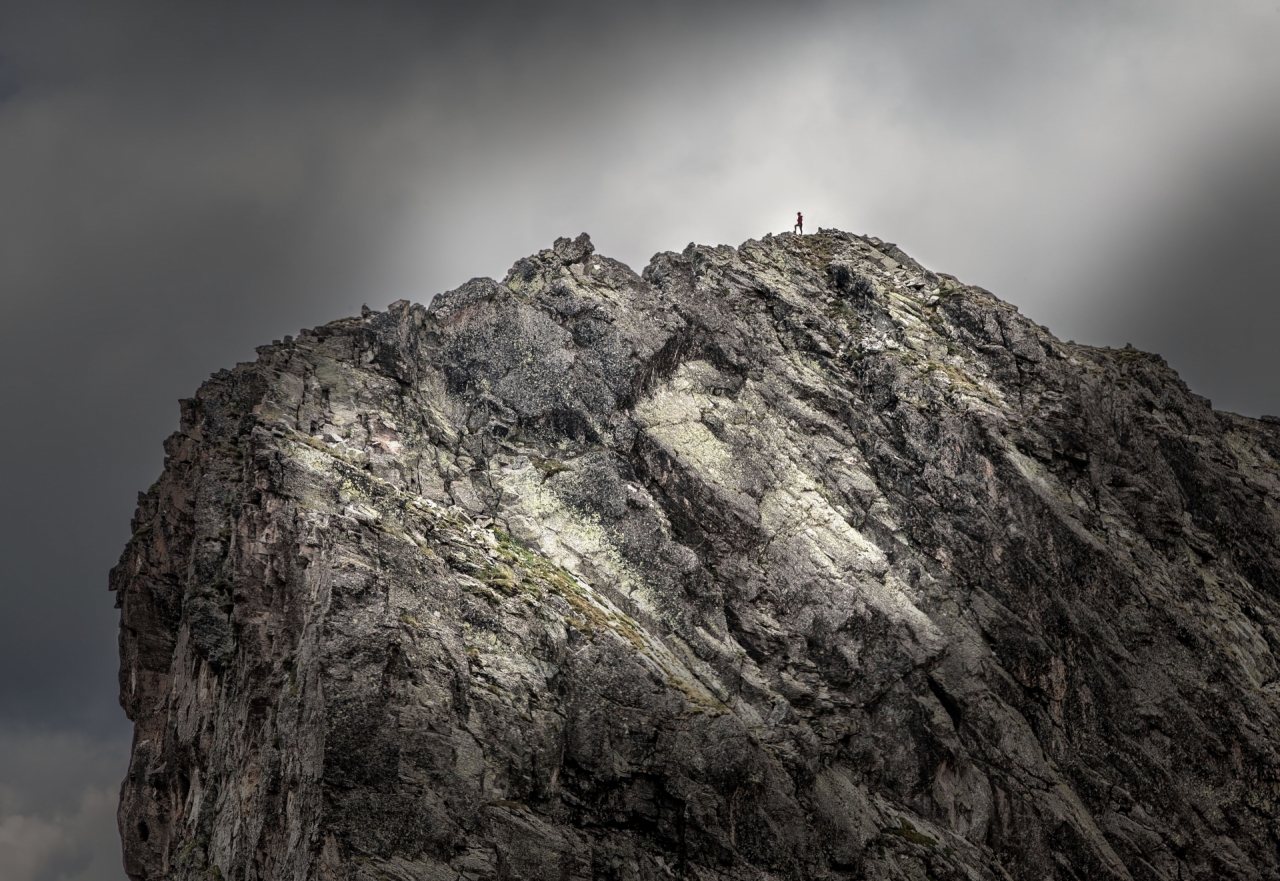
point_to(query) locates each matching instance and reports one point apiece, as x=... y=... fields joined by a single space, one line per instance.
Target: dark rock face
x=788 y=561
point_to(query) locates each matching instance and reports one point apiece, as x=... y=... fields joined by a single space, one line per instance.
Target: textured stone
x=794 y=560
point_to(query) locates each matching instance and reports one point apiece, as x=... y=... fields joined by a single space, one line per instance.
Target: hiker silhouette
x=799 y=227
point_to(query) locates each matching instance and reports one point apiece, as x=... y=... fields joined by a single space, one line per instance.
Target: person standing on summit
x=799 y=227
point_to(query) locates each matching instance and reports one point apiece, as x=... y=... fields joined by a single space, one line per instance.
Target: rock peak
x=790 y=560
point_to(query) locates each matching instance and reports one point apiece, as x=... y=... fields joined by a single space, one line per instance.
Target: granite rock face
x=788 y=561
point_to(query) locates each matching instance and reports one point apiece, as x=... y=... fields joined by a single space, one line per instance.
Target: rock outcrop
x=788 y=561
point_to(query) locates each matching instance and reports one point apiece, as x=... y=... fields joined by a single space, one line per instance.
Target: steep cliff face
x=790 y=561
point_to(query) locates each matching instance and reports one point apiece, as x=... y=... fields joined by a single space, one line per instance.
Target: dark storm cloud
x=182 y=182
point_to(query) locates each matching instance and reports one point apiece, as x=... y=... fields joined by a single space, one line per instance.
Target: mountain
x=789 y=561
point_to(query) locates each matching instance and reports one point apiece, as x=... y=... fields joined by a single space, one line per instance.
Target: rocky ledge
x=787 y=561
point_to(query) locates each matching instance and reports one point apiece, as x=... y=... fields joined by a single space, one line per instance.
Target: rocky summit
x=794 y=560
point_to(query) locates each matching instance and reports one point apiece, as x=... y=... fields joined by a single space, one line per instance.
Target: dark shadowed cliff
x=787 y=561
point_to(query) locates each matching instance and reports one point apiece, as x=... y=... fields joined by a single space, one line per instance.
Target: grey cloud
x=1201 y=284
x=58 y=795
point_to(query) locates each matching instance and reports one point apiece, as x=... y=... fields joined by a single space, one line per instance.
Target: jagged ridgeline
x=788 y=561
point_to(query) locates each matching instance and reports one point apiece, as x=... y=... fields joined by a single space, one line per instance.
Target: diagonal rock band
x=791 y=560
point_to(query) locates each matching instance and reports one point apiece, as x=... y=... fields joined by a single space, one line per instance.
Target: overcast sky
x=182 y=182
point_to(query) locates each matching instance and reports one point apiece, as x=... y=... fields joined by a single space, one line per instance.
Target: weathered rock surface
x=790 y=561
